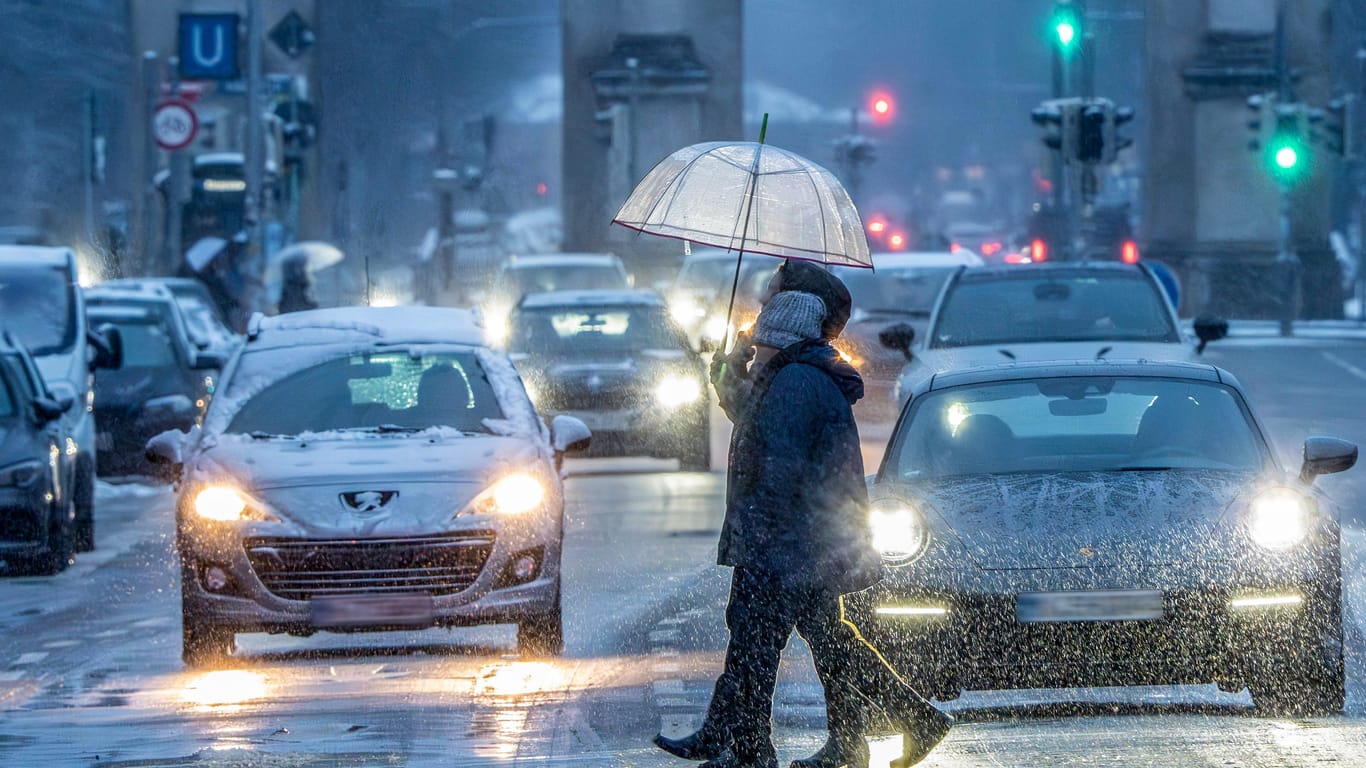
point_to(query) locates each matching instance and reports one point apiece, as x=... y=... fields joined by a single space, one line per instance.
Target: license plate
x=104 y=441
x=372 y=611
x=1101 y=605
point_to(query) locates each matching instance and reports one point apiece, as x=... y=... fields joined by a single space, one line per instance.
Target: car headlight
x=686 y=312
x=1279 y=519
x=515 y=494
x=675 y=391
x=21 y=475
x=227 y=504
x=900 y=532
x=496 y=327
x=715 y=328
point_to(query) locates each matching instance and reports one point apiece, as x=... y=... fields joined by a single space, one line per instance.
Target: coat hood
x=820 y=354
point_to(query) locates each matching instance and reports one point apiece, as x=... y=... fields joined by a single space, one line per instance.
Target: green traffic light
x=1066 y=33
x=1287 y=158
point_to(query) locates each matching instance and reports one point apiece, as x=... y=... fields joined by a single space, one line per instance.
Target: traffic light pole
x=1288 y=267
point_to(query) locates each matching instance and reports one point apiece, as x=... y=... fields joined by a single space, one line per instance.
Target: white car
x=700 y=295
x=368 y=469
x=1051 y=311
x=521 y=275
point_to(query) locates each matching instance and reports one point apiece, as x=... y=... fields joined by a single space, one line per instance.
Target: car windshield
x=565 y=278
x=910 y=291
x=1075 y=424
x=714 y=276
x=379 y=391
x=145 y=343
x=1053 y=306
x=39 y=307
x=591 y=330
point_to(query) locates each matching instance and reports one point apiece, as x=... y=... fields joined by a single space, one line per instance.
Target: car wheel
x=60 y=543
x=542 y=635
x=83 y=491
x=1309 y=687
x=204 y=644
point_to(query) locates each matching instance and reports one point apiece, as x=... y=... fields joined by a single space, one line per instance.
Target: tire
x=83 y=491
x=60 y=544
x=204 y=644
x=542 y=635
x=1309 y=687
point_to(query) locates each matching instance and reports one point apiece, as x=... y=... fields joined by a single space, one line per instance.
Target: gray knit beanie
x=789 y=317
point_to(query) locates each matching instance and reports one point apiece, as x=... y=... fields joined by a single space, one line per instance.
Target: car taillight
x=1128 y=253
x=1038 y=251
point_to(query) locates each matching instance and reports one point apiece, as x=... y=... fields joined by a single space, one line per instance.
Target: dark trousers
x=761 y=616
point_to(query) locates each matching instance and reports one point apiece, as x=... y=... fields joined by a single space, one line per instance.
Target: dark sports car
x=1093 y=523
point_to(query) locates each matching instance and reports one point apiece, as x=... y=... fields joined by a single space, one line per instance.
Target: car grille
x=299 y=569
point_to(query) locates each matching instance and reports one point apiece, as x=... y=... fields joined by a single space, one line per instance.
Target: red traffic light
x=896 y=241
x=1038 y=251
x=881 y=107
x=876 y=227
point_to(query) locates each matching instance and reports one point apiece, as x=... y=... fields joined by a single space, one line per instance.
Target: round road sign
x=174 y=125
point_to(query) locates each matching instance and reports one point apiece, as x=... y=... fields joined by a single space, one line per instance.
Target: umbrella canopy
x=316 y=255
x=204 y=251
x=750 y=197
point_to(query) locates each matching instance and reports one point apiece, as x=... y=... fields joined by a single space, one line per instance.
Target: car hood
x=953 y=358
x=1089 y=519
x=317 y=486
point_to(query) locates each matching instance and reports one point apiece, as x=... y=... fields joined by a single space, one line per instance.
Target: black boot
x=702 y=745
x=852 y=753
x=920 y=733
x=728 y=759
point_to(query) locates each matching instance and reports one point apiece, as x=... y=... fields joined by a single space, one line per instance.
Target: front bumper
x=980 y=643
x=651 y=431
x=272 y=581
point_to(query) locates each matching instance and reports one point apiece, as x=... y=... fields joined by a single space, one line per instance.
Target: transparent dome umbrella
x=749 y=197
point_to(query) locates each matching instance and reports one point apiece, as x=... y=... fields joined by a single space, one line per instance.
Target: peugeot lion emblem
x=365 y=502
x=1086 y=552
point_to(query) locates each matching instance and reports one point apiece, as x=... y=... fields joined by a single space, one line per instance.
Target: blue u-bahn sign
x=208 y=46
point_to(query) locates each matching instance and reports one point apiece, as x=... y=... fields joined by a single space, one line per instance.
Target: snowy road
x=90 y=672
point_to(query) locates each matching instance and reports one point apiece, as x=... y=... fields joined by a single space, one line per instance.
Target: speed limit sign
x=174 y=125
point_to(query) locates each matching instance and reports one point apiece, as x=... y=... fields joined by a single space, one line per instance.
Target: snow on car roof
x=963 y=258
x=40 y=255
x=562 y=259
x=124 y=289
x=1064 y=368
x=1025 y=271
x=411 y=324
x=127 y=312
x=572 y=298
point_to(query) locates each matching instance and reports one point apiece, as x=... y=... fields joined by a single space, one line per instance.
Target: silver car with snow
x=369 y=469
x=1052 y=311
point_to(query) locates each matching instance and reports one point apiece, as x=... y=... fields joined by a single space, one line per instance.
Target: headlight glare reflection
x=677 y=391
x=1279 y=519
x=899 y=531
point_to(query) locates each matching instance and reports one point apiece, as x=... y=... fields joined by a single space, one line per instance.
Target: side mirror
x=205 y=360
x=568 y=434
x=1326 y=455
x=107 y=343
x=50 y=409
x=1209 y=328
x=898 y=337
x=164 y=453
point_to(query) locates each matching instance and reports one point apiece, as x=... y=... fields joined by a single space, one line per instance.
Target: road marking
x=1344 y=365
x=31 y=658
x=61 y=643
x=12 y=676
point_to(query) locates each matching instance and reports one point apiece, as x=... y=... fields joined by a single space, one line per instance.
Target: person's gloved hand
x=734 y=363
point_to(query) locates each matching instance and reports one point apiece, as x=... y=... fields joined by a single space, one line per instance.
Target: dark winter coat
x=796 y=503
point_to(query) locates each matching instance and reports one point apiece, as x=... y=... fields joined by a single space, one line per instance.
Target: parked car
x=37 y=468
x=700 y=294
x=42 y=305
x=521 y=275
x=901 y=288
x=368 y=469
x=1051 y=311
x=204 y=321
x=1105 y=523
x=615 y=360
x=165 y=381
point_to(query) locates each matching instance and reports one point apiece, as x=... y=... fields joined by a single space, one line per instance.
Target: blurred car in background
x=615 y=360
x=368 y=468
x=521 y=275
x=37 y=468
x=165 y=382
x=1049 y=311
x=1094 y=523
x=204 y=321
x=700 y=295
x=901 y=288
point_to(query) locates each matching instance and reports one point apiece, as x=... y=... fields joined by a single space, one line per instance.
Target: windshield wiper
x=257 y=434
